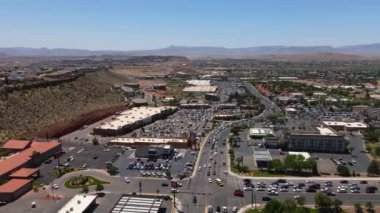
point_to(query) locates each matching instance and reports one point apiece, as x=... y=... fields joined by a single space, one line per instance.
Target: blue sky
x=150 y=24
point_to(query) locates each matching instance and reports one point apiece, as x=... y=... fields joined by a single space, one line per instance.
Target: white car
x=34 y=204
x=205 y=166
x=174 y=190
x=273 y=193
x=234 y=209
x=200 y=168
x=126 y=179
x=247 y=188
x=209 y=180
x=55 y=186
x=342 y=190
x=224 y=209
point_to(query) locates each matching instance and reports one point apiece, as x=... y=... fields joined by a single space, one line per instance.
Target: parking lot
x=177 y=125
x=330 y=187
x=130 y=166
x=82 y=155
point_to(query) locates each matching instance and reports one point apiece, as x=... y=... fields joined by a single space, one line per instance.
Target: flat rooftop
x=16 y=144
x=345 y=124
x=317 y=131
x=306 y=155
x=326 y=131
x=199 y=82
x=260 y=131
x=148 y=140
x=262 y=154
x=24 y=172
x=203 y=89
x=13 y=185
x=132 y=116
x=78 y=204
x=128 y=204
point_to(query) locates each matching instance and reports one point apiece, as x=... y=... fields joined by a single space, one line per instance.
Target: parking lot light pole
x=252 y=199
x=174 y=196
x=253 y=194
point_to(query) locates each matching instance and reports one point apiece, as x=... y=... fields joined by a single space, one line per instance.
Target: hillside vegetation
x=30 y=110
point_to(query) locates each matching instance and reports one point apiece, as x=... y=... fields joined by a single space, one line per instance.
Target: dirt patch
x=326 y=166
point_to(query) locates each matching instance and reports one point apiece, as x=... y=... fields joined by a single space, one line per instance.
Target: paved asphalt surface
x=198 y=185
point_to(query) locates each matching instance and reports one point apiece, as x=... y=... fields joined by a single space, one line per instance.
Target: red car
x=239 y=193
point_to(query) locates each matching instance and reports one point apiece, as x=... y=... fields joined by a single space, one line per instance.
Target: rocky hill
x=31 y=110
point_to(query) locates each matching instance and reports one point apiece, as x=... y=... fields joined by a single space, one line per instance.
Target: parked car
x=239 y=193
x=267 y=198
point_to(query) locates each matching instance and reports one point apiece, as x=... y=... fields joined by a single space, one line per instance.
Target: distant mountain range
x=363 y=50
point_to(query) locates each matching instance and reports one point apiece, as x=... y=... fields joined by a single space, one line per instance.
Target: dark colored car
x=363 y=182
x=371 y=189
x=281 y=181
x=164 y=184
x=194 y=199
x=344 y=181
x=311 y=190
x=267 y=198
x=315 y=186
x=329 y=193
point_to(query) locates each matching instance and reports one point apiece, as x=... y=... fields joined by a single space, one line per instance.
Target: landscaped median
x=81 y=181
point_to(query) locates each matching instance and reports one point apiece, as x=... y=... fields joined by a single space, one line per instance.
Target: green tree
x=85 y=189
x=273 y=206
x=358 y=208
x=373 y=168
x=322 y=201
x=301 y=200
x=95 y=141
x=112 y=170
x=309 y=164
x=289 y=206
x=99 y=187
x=377 y=151
x=337 y=205
x=276 y=165
x=343 y=171
x=370 y=208
x=239 y=160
